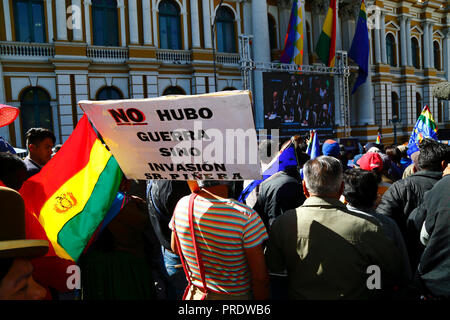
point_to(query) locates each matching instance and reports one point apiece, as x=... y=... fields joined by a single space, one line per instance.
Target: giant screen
x=298 y=102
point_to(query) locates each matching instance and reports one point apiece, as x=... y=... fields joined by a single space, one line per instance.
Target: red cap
x=371 y=161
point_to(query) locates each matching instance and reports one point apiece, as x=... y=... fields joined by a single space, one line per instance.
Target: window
x=437 y=55
x=226 y=39
x=395 y=105
x=272 y=32
x=169 y=25
x=29 y=20
x=418 y=105
x=35 y=110
x=415 y=53
x=109 y=93
x=173 y=91
x=105 y=23
x=390 y=50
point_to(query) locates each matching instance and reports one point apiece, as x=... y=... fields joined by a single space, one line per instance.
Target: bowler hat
x=13 y=243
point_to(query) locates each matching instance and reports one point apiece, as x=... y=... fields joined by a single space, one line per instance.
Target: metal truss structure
x=341 y=71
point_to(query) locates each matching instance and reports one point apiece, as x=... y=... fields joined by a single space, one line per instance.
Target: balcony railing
x=27 y=50
x=227 y=58
x=174 y=56
x=107 y=54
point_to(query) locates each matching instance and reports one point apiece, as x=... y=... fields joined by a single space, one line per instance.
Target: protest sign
x=199 y=137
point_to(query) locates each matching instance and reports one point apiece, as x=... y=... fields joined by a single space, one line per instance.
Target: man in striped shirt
x=229 y=238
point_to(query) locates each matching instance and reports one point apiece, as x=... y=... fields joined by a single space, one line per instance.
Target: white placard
x=198 y=137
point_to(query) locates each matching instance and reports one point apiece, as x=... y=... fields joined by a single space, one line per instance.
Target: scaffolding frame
x=341 y=70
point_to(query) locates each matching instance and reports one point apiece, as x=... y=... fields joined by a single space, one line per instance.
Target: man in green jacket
x=328 y=251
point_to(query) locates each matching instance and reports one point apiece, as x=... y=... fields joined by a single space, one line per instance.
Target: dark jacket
x=435 y=261
x=162 y=198
x=401 y=199
x=32 y=167
x=281 y=192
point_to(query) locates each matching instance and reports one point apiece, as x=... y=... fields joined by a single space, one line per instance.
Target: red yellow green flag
x=69 y=197
x=326 y=46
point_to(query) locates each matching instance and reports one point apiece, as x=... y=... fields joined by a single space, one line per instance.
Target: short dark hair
x=361 y=188
x=37 y=135
x=394 y=153
x=10 y=164
x=431 y=154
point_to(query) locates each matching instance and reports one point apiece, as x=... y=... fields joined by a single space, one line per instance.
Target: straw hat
x=12 y=229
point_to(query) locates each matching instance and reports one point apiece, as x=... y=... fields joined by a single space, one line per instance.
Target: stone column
x=207 y=24
x=261 y=53
x=77 y=28
x=123 y=30
x=49 y=6
x=185 y=26
x=446 y=53
x=383 y=38
x=247 y=12
x=377 y=48
x=408 y=41
x=146 y=21
x=404 y=56
x=155 y=23
x=61 y=21
x=8 y=24
x=195 y=24
x=87 y=21
x=133 y=20
x=431 y=46
x=426 y=45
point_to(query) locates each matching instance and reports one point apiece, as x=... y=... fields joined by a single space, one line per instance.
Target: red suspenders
x=196 y=250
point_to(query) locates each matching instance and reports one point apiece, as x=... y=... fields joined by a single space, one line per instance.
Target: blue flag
x=286 y=157
x=314 y=151
x=359 y=51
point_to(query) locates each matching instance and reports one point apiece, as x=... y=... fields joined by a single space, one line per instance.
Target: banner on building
x=298 y=102
x=200 y=137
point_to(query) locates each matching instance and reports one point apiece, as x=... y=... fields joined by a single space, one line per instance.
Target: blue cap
x=331 y=148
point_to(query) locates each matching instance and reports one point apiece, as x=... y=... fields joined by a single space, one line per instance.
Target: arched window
x=29 y=20
x=415 y=53
x=169 y=25
x=437 y=55
x=272 y=32
x=105 y=23
x=418 y=105
x=35 y=110
x=173 y=90
x=395 y=105
x=440 y=111
x=390 y=50
x=109 y=93
x=226 y=39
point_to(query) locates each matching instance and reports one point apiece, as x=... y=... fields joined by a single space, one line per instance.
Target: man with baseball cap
x=16 y=280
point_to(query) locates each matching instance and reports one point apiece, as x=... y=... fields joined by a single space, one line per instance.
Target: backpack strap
x=196 y=250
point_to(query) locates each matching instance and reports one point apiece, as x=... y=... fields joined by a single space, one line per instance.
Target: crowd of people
x=372 y=225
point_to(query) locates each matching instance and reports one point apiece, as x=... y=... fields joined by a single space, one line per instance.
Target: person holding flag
x=359 y=50
x=293 y=43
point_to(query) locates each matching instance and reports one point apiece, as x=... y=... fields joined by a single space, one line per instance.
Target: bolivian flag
x=326 y=46
x=68 y=199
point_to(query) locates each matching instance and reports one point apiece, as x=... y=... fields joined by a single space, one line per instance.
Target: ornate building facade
x=54 y=53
